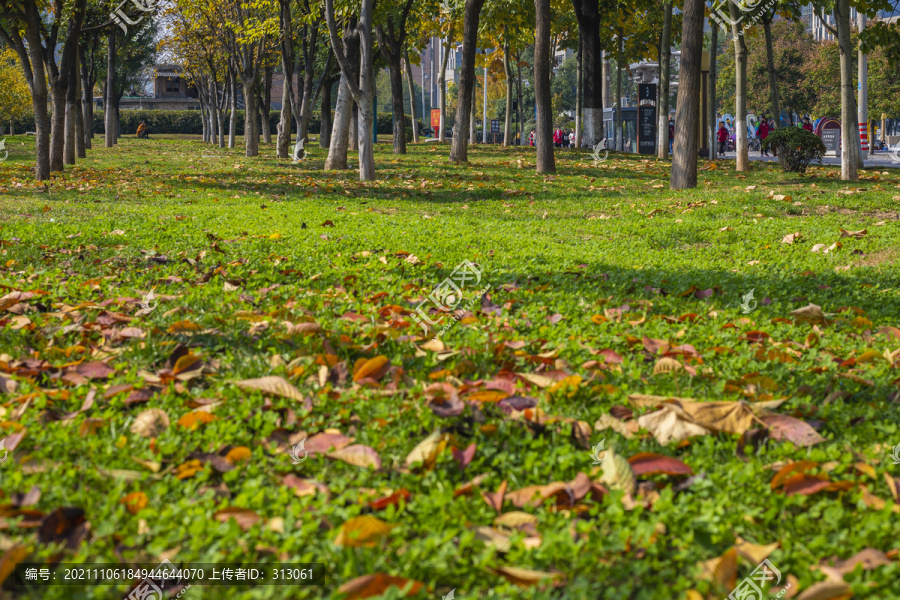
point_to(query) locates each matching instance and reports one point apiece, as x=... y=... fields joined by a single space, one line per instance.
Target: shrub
x=796 y=148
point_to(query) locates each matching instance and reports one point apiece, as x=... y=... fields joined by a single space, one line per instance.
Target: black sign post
x=647 y=118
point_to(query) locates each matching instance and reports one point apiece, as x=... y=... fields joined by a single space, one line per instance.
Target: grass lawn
x=610 y=298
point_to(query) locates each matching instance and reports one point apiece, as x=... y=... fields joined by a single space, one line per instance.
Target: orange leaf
x=374 y=368
x=135 y=502
x=194 y=418
x=370 y=586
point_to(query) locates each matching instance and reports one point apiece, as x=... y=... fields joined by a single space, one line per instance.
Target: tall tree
x=543 y=138
x=687 y=111
x=665 y=56
x=361 y=90
x=589 y=19
x=458 y=148
x=392 y=43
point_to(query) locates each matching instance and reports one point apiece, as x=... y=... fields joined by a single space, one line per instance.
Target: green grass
x=578 y=244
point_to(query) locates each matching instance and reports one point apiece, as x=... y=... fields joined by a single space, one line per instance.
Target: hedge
x=188 y=122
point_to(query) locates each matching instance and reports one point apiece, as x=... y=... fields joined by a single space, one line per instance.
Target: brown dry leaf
x=869 y=558
x=626 y=429
x=535 y=495
x=238 y=454
x=649 y=463
x=427 y=451
x=811 y=313
x=827 y=590
x=754 y=553
x=524 y=577
x=376 y=584
x=670 y=424
x=721 y=570
x=195 y=418
x=784 y=427
x=150 y=422
x=276 y=386
x=358 y=455
x=374 y=368
x=365 y=531
x=854 y=234
x=244 y=517
x=304 y=487
x=666 y=364
x=495 y=500
x=135 y=502
x=303 y=328
x=791 y=238
x=13 y=555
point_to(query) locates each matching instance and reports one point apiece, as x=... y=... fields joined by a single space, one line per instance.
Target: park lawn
x=605 y=287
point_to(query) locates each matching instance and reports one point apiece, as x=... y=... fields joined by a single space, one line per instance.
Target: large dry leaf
x=427 y=451
x=727 y=417
x=135 y=502
x=791 y=238
x=721 y=570
x=150 y=423
x=14 y=298
x=868 y=558
x=325 y=442
x=854 y=234
x=495 y=500
x=365 y=531
x=670 y=424
x=14 y=555
x=244 y=517
x=810 y=313
x=358 y=455
x=376 y=584
x=617 y=473
x=525 y=577
x=373 y=368
x=783 y=427
x=304 y=487
x=535 y=495
x=827 y=590
x=648 y=463
x=753 y=553
x=626 y=429
x=276 y=386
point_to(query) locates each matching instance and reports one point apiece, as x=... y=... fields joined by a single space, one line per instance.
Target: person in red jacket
x=723 y=137
x=806 y=124
x=762 y=133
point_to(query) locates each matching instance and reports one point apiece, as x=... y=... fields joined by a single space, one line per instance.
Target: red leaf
x=464 y=457
x=648 y=463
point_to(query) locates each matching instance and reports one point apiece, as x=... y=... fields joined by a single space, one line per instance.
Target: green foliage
x=796 y=148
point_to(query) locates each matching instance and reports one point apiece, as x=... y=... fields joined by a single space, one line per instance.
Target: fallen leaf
x=135 y=502
x=376 y=584
x=244 y=517
x=150 y=422
x=827 y=590
x=365 y=531
x=648 y=463
x=524 y=577
x=273 y=385
x=357 y=455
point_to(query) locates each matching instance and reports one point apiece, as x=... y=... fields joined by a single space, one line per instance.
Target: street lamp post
x=424 y=77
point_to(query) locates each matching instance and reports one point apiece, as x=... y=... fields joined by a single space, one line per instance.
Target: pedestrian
x=723 y=137
x=671 y=134
x=531 y=138
x=806 y=124
x=572 y=139
x=762 y=133
x=556 y=137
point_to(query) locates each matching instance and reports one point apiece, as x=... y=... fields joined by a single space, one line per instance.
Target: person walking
x=806 y=124
x=762 y=133
x=671 y=134
x=531 y=138
x=723 y=137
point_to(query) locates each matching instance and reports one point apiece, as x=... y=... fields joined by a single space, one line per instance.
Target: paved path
x=878 y=160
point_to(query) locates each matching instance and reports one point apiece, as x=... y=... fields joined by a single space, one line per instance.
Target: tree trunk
x=543 y=137
x=57 y=125
x=687 y=115
x=232 y=100
x=412 y=96
x=459 y=144
x=742 y=160
x=72 y=109
x=354 y=128
x=325 y=112
x=520 y=109
x=366 y=97
x=80 y=150
x=340 y=130
x=86 y=86
x=770 y=69
x=286 y=122
x=619 y=138
x=849 y=131
x=442 y=85
x=473 y=116
x=109 y=126
x=507 y=68
x=665 y=54
x=251 y=121
x=711 y=107
x=588 y=15
x=265 y=110
x=579 y=92
x=396 y=73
